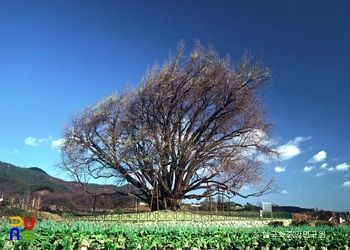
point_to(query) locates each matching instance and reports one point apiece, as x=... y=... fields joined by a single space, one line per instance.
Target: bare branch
x=192 y=123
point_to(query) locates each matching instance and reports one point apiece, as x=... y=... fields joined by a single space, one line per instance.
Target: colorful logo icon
x=27 y=234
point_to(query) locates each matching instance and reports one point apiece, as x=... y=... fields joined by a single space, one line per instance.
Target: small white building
x=196 y=205
x=266 y=206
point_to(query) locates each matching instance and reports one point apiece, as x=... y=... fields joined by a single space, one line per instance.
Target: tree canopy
x=193 y=127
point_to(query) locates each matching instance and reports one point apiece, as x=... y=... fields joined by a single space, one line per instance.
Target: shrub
x=276 y=223
x=15 y=211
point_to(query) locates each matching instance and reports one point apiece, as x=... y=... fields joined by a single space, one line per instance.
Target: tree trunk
x=175 y=204
x=154 y=206
x=172 y=204
x=94 y=205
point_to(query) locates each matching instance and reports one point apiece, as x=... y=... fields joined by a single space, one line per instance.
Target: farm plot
x=88 y=235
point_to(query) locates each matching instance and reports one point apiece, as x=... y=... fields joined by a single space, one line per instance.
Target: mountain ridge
x=27 y=184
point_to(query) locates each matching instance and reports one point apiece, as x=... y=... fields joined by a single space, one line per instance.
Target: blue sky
x=57 y=57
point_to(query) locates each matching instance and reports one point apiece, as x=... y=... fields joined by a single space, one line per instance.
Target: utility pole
x=157 y=197
x=222 y=200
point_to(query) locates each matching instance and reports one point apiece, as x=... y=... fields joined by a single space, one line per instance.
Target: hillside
x=26 y=184
x=16 y=180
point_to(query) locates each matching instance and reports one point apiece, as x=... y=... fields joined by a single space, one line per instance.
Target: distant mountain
x=38 y=169
x=29 y=183
x=17 y=180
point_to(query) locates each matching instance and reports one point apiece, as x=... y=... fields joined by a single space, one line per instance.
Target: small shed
x=266 y=208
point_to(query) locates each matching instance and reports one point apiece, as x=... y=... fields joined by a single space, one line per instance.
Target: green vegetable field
x=88 y=235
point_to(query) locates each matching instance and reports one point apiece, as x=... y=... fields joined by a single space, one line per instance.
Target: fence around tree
x=181 y=216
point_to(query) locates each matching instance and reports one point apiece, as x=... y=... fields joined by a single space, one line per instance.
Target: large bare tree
x=193 y=127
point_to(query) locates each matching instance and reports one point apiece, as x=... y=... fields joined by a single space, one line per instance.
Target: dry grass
x=47 y=216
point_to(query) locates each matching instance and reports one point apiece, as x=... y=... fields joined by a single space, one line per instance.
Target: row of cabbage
x=178 y=236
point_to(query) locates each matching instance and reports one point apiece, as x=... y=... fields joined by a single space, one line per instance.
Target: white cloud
x=308 y=168
x=320 y=156
x=291 y=149
x=284 y=191
x=299 y=139
x=280 y=169
x=324 y=165
x=42 y=140
x=30 y=141
x=15 y=151
x=346 y=184
x=56 y=144
x=255 y=136
x=340 y=167
x=320 y=174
